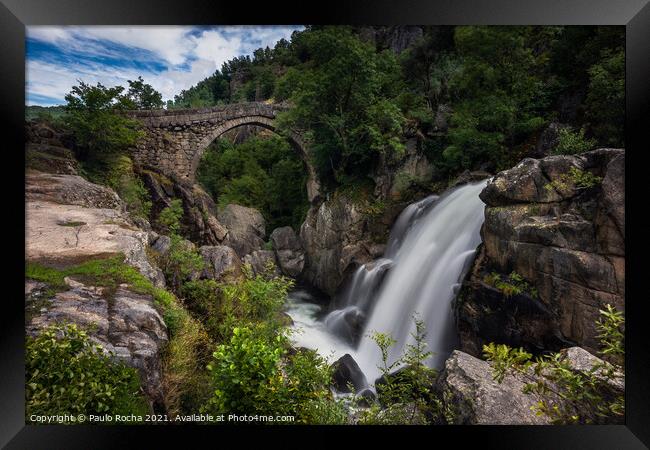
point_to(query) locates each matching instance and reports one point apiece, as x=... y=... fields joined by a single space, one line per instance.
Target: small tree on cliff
x=98 y=128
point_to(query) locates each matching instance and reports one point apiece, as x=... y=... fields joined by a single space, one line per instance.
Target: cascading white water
x=429 y=249
x=427 y=268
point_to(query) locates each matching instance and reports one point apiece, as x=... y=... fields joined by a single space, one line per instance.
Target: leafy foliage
x=256 y=174
x=513 y=284
x=345 y=97
x=571 y=143
x=406 y=397
x=181 y=261
x=98 y=129
x=254 y=300
x=170 y=217
x=189 y=346
x=66 y=373
x=142 y=96
x=496 y=87
x=565 y=394
x=252 y=374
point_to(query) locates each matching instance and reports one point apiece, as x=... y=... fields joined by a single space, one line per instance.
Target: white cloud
x=175 y=47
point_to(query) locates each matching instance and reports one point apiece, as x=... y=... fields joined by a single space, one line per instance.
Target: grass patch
x=189 y=346
x=513 y=284
x=579 y=179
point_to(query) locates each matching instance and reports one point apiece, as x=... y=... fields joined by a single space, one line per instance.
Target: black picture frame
x=633 y=14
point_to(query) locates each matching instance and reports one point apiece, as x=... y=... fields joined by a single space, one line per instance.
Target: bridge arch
x=175 y=140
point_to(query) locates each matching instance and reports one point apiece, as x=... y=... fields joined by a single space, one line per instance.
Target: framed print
x=373 y=220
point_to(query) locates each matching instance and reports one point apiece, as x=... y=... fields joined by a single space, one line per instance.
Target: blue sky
x=170 y=58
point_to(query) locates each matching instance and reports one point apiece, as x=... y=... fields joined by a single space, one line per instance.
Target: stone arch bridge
x=176 y=139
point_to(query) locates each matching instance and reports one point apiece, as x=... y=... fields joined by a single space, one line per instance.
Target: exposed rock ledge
x=123 y=323
x=563 y=231
x=467 y=387
x=70 y=220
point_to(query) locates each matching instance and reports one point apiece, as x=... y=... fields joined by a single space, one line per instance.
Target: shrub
x=567 y=395
x=252 y=374
x=203 y=298
x=66 y=373
x=405 y=397
x=513 y=284
x=583 y=179
x=254 y=299
x=576 y=178
x=571 y=143
x=170 y=217
x=181 y=261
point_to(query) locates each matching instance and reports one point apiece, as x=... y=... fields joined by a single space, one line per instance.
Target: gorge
x=356 y=227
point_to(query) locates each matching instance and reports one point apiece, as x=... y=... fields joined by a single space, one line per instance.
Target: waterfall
x=430 y=248
x=429 y=262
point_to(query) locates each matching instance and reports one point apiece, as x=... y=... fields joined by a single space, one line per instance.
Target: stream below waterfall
x=430 y=248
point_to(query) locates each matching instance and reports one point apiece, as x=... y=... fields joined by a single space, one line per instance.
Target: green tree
x=606 y=98
x=344 y=96
x=98 y=129
x=255 y=174
x=143 y=96
x=498 y=91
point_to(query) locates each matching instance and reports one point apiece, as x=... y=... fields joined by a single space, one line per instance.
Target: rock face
x=69 y=190
x=124 y=323
x=288 y=251
x=259 y=260
x=70 y=220
x=199 y=220
x=548 y=140
x=222 y=263
x=559 y=223
x=50 y=158
x=246 y=228
x=479 y=400
x=68 y=217
x=466 y=387
x=346 y=370
x=336 y=241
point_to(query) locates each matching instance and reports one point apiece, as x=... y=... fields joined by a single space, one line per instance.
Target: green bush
x=253 y=299
x=203 y=299
x=66 y=373
x=405 y=397
x=571 y=143
x=252 y=374
x=181 y=261
x=170 y=217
